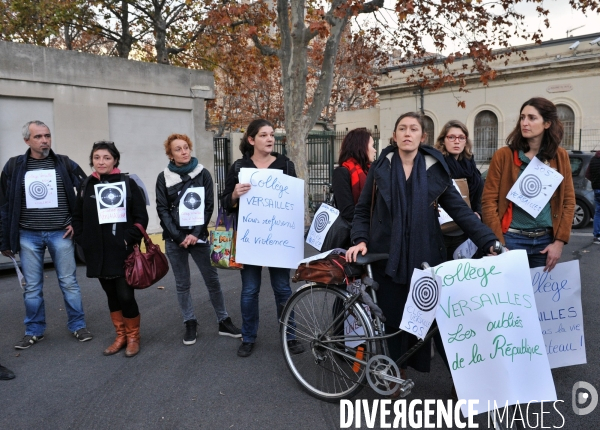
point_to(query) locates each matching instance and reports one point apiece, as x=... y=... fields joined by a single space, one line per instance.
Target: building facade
x=568 y=76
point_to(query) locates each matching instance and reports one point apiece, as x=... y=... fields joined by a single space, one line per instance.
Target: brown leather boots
x=132 y=327
x=121 y=339
x=128 y=334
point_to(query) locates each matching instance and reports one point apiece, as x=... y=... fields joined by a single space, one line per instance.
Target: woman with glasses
x=108 y=239
x=456 y=146
x=185 y=239
x=537 y=134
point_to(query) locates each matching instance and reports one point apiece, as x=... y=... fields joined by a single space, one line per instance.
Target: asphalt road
x=65 y=384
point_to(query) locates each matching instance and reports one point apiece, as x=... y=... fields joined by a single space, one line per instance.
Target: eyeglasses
x=104 y=142
x=453 y=138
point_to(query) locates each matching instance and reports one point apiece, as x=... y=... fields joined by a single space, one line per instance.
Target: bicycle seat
x=370 y=258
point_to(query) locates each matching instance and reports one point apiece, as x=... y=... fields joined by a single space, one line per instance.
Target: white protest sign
x=111 y=202
x=444 y=217
x=40 y=189
x=421 y=304
x=191 y=207
x=324 y=218
x=535 y=186
x=558 y=300
x=467 y=249
x=490 y=329
x=271 y=219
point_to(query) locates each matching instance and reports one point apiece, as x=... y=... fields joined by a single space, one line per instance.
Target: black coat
x=392 y=296
x=281 y=162
x=168 y=186
x=440 y=189
x=341 y=185
x=105 y=252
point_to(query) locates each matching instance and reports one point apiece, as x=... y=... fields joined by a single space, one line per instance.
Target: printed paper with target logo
x=535 y=187
x=421 y=304
x=111 y=202
x=40 y=189
x=191 y=207
x=322 y=222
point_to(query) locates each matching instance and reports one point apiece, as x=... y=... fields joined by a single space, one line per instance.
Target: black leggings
x=120 y=296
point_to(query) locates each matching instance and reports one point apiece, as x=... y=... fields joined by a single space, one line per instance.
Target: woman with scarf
x=184 y=173
x=456 y=146
x=538 y=133
x=356 y=155
x=257 y=149
x=408 y=180
x=106 y=246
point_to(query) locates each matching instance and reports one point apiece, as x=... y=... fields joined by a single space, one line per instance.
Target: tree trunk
x=160 y=29
x=126 y=40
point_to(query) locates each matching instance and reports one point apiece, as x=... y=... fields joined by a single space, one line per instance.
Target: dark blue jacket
x=377 y=232
x=11 y=193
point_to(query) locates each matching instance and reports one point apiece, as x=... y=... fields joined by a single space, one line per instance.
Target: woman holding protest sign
x=184 y=202
x=537 y=135
x=257 y=148
x=453 y=141
x=397 y=214
x=108 y=205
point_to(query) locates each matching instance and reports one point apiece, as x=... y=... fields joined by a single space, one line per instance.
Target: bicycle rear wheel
x=327 y=368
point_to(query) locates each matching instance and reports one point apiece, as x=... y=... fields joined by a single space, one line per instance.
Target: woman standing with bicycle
x=456 y=146
x=257 y=148
x=538 y=133
x=106 y=246
x=397 y=214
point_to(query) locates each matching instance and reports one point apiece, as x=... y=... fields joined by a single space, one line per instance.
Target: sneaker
x=28 y=340
x=295 y=347
x=189 y=338
x=83 y=335
x=596 y=240
x=245 y=349
x=226 y=328
x=6 y=374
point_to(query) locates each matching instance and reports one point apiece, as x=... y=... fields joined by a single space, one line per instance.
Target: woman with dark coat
x=257 y=149
x=106 y=246
x=357 y=152
x=183 y=241
x=409 y=180
x=457 y=148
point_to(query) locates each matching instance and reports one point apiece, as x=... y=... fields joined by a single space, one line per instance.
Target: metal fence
x=222 y=163
x=589 y=140
x=322 y=150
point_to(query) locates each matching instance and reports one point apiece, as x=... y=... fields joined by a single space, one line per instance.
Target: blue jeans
x=33 y=245
x=179 y=258
x=597 y=213
x=251 y=277
x=533 y=246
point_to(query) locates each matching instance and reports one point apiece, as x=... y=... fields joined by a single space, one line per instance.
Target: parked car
x=584 y=194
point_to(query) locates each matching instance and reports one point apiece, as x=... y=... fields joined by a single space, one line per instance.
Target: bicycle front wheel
x=328 y=335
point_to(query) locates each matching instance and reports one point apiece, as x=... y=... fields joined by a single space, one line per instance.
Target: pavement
x=62 y=383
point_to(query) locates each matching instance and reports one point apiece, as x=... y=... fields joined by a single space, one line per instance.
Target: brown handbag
x=333 y=269
x=144 y=269
x=463 y=186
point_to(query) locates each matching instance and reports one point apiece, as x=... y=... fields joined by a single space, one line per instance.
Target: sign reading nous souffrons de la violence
x=271 y=219
x=489 y=325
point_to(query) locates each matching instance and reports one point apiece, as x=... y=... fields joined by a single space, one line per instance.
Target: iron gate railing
x=222 y=163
